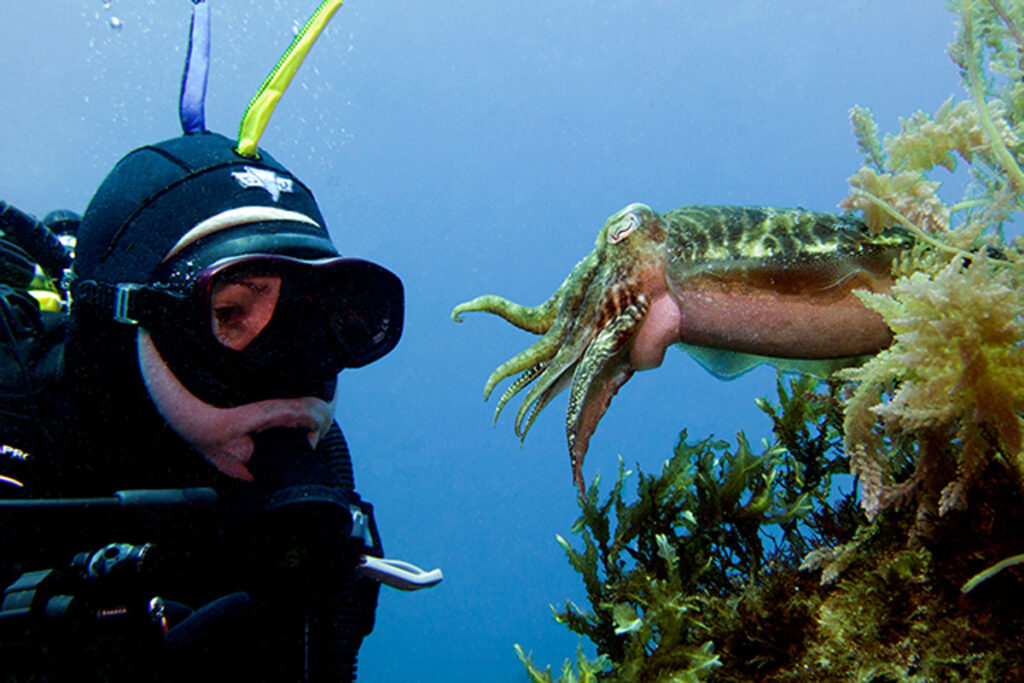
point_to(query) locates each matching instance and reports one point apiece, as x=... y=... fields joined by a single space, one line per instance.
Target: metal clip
x=123 y=300
x=158 y=614
x=361 y=526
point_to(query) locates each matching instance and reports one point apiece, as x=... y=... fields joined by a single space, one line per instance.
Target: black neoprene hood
x=159 y=192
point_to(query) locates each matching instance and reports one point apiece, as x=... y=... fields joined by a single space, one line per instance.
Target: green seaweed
x=743 y=564
x=662 y=571
x=731 y=565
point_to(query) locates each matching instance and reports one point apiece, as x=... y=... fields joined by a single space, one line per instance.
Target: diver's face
x=241 y=306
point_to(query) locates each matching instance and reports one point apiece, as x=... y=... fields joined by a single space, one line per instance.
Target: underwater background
x=477 y=147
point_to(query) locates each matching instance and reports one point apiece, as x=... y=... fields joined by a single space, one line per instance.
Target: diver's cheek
x=659 y=330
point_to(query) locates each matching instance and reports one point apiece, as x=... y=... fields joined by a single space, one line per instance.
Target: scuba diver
x=195 y=375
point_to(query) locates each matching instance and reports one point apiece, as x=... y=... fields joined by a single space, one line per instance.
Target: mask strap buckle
x=123 y=301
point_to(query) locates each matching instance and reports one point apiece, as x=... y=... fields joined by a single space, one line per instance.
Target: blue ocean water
x=477 y=147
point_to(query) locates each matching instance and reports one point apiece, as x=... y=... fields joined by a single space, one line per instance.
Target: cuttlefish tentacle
x=534 y=361
x=524 y=421
x=735 y=286
x=530 y=363
x=543 y=319
x=598 y=376
x=520 y=382
x=536 y=319
x=541 y=392
x=579 y=339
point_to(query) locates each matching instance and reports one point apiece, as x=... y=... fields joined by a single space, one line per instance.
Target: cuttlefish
x=733 y=286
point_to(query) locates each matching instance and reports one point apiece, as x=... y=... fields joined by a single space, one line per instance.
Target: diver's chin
x=224 y=435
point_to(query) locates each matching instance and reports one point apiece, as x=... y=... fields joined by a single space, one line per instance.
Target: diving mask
x=235 y=300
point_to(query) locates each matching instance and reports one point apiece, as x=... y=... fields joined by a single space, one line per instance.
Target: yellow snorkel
x=262 y=105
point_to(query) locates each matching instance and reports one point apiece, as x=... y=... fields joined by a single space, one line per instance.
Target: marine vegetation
x=736 y=564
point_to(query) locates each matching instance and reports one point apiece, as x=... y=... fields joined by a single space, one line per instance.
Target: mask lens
x=242 y=302
x=364 y=307
x=360 y=304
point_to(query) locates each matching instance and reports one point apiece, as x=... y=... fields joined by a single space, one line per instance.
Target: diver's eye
x=240 y=308
x=628 y=224
x=226 y=315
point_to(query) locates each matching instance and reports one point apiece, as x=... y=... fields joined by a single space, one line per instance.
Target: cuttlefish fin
x=602 y=370
x=726 y=365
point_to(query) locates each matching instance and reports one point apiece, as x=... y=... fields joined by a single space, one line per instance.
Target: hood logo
x=265 y=178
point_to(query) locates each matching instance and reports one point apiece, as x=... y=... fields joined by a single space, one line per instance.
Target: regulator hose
x=36 y=239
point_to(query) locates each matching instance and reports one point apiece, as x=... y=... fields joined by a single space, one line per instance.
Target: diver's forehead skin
x=234 y=217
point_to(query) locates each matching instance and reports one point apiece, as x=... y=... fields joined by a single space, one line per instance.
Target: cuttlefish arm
x=734 y=286
x=602 y=370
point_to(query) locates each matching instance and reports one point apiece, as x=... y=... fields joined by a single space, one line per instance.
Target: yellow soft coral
x=882 y=196
x=926 y=141
x=865 y=129
x=956 y=364
x=953 y=380
x=984 y=130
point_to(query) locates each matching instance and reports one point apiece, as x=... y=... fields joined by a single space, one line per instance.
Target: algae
x=743 y=564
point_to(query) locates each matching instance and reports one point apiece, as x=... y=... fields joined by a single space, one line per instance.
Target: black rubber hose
x=16 y=267
x=346 y=616
x=337 y=624
x=36 y=239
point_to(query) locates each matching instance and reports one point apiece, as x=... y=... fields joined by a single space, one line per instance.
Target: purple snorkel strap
x=197 y=69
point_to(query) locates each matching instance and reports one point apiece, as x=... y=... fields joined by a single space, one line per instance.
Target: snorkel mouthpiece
x=263 y=103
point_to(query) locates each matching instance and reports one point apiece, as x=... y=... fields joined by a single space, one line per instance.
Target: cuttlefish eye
x=626 y=225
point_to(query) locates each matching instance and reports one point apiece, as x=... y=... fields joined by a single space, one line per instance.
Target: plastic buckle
x=122 y=301
x=361 y=526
